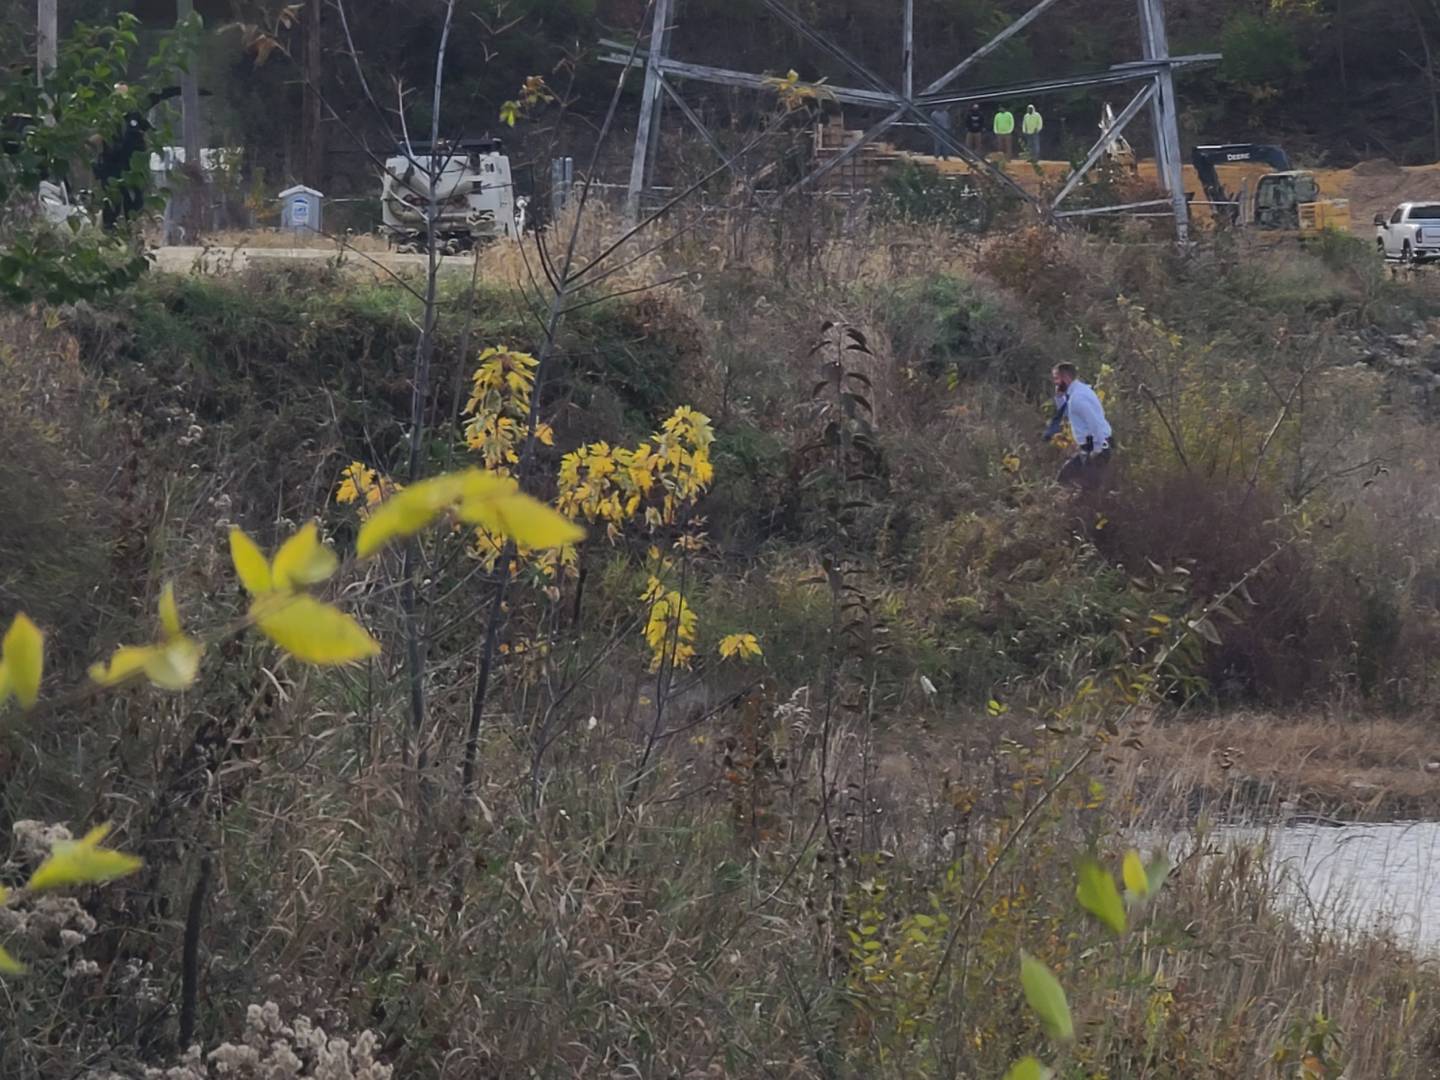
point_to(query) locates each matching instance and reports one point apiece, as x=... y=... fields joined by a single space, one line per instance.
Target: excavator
x=1287 y=199
x=1118 y=150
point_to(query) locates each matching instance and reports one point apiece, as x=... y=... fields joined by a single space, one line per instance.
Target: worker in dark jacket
x=975 y=129
x=121 y=196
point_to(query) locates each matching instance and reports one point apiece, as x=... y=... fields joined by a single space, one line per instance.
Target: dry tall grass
x=1338 y=763
x=654 y=884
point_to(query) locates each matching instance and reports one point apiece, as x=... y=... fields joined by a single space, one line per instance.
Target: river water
x=1356 y=877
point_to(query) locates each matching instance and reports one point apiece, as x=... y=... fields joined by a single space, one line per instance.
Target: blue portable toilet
x=300 y=209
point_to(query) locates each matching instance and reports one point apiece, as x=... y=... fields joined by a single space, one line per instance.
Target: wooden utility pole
x=312 y=106
x=189 y=95
x=47 y=38
x=190 y=135
x=653 y=155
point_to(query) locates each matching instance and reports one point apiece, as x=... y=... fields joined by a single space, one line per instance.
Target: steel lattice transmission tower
x=1154 y=71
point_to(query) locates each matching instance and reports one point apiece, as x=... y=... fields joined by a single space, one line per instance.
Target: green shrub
x=953 y=327
x=917 y=196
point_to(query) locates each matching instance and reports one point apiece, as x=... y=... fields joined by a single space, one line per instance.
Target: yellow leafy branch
x=311 y=631
x=740 y=647
x=794 y=93
x=171 y=663
x=534 y=91
x=82 y=862
x=599 y=483
x=670 y=617
x=609 y=484
x=362 y=485
x=472 y=496
x=499 y=407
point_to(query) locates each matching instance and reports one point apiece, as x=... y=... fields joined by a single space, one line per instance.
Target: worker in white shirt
x=1094 y=441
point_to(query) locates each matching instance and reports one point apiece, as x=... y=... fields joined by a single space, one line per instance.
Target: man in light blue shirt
x=1077 y=402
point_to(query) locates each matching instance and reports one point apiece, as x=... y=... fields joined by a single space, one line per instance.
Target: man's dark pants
x=1086 y=471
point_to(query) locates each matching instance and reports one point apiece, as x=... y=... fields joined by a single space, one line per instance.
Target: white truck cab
x=1410 y=234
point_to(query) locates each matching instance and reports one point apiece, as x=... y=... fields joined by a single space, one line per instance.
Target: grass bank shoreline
x=1283 y=768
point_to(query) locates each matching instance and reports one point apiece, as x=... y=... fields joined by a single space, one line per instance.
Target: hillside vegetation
x=817 y=854
x=670 y=653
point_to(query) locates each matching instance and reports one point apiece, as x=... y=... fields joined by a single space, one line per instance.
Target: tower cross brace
x=1155 y=71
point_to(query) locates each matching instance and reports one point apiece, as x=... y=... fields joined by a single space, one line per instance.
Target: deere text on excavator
x=1287 y=199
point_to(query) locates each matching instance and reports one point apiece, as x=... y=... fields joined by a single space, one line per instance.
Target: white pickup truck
x=1411 y=233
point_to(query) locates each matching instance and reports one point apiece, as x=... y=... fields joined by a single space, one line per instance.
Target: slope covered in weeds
x=917 y=669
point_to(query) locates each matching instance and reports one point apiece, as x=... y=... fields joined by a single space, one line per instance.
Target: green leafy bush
x=49 y=127
x=911 y=194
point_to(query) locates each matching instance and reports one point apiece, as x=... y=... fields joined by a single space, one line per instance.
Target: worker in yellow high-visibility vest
x=1005 y=131
x=1031 y=126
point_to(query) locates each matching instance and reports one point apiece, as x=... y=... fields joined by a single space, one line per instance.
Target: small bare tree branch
x=1164 y=419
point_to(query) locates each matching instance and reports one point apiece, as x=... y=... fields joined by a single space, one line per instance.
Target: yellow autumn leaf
x=516 y=516
x=355 y=483
x=127 y=660
x=1137 y=882
x=303 y=560
x=1097 y=894
x=311 y=631
x=82 y=862
x=173 y=665
x=411 y=510
x=22 y=661
x=1047 y=997
x=1028 y=1069
x=250 y=564
x=479 y=498
x=9 y=965
x=169 y=611
x=743 y=646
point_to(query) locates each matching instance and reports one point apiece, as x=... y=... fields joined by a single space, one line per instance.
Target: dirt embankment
x=1330 y=766
x=1373 y=187
x=1376 y=187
